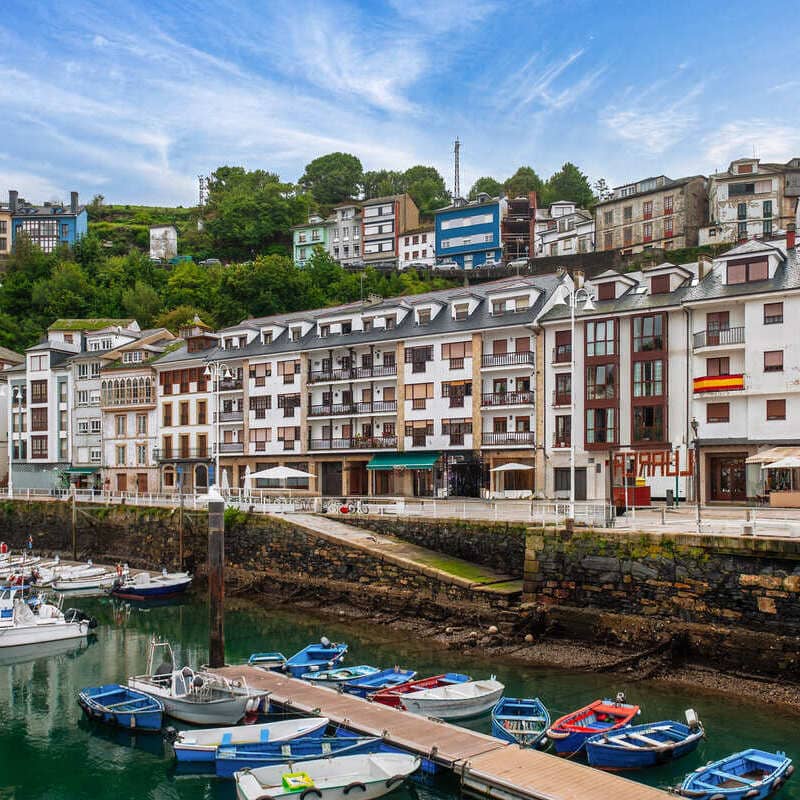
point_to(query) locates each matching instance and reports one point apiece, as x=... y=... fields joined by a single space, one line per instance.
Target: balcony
x=561 y=442
x=719 y=338
x=507 y=359
x=182 y=454
x=337 y=409
x=232 y=385
x=507 y=399
x=718 y=384
x=562 y=399
x=231 y=447
x=562 y=356
x=355 y=443
x=507 y=438
x=231 y=416
x=351 y=373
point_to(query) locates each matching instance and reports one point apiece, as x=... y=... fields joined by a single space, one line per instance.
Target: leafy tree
x=569 y=183
x=332 y=178
x=426 y=187
x=523 y=181
x=143 y=302
x=378 y=183
x=490 y=186
x=190 y=285
x=66 y=293
x=175 y=319
x=602 y=191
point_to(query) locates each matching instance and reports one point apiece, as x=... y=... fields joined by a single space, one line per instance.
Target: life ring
x=310 y=793
x=394 y=780
x=354 y=785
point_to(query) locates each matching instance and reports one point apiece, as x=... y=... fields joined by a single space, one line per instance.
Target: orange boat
x=569 y=733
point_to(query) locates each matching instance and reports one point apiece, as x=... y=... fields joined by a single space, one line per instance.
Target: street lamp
x=16 y=394
x=217 y=371
x=696 y=443
x=572 y=297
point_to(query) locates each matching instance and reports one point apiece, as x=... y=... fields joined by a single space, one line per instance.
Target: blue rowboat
x=118 y=705
x=234 y=759
x=340 y=674
x=315 y=657
x=751 y=774
x=361 y=687
x=268 y=661
x=201 y=744
x=569 y=733
x=523 y=721
x=639 y=746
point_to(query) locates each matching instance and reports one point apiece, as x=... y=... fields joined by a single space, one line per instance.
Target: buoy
x=493 y=629
x=529 y=638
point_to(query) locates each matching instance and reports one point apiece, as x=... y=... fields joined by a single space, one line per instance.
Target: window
x=600 y=338
x=647 y=209
x=561 y=478
x=39 y=392
x=747 y=271
x=563 y=350
x=627 y=236
x=131 y=356
x=773 y=313
x=668 y=205
x=647 y=231
x=776 y=409
x=648 y=378
x=648 y=333
x=773 y=361
x=741 y=211
x=668 y=231
x=83 y=426
x=39 y=419
x=38 y=447
x=120 y=450
x=648 y=423
x=184 y=412
x=601 y=382
x=738 y=189
x=141 y=424
x=766 y=208
x=95 y=454
x=166 y=418
x=608 y=240
x=718 y=412
x=39 y=363
x=83 y=371
x=120 y=424
x=460 y=311
x=423 y=316
x=766 y=227
x=659 y=284
x=83 y=398
x=96 y=425
x=608 y=218
x=141 y=454
x=718 y=366
x=741 y=232
x=600 y=428
x=627 y=213
x=607 y=291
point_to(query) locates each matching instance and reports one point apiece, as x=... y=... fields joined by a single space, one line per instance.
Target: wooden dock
x=485 y=765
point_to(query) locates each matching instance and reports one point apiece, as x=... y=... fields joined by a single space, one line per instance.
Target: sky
x=133 y=99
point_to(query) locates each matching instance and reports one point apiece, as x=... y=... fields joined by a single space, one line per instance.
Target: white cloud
x=769 y=140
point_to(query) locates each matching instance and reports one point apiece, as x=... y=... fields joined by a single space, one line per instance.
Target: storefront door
x=726 y=478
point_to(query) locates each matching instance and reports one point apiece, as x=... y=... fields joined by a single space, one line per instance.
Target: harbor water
x=48 y=750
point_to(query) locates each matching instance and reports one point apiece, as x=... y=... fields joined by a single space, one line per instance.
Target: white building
x=163 y=242
x=345 y=234
x=418 y=248
x=563 y=230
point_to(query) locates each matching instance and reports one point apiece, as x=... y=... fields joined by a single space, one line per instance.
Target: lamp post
x=16 y=394
x=572 y=297
x=216 y=371
x=696 y=443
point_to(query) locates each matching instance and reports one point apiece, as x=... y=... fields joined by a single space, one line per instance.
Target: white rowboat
x=49 y=625
x=456 y=701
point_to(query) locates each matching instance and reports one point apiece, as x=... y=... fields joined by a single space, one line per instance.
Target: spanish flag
x=719 y=383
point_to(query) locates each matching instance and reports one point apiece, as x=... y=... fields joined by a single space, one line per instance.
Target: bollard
x=747 y=530
x=216 y=582
x=663 y=515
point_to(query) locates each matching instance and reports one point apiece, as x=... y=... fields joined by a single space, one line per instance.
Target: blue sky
x=134 y=98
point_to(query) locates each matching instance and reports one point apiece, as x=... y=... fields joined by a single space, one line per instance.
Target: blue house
x=50 y=225
x=468 y=233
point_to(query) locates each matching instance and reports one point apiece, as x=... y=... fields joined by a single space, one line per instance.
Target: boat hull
x=520 y=721
x=365 y=687
x=603 y=753
x=117 y=705
x=455 y=708
x=42 y=632
x=154 y=591
x=570 y=733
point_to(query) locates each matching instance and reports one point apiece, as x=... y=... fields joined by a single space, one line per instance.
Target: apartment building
x=704 y=341
x=752 y=200
x=384 y=220
x=469 y=233
x=310 y=235
x=50 y=225
x=518 y=227
x=345 y=234
x=563 y=229
x=418 y=248
x=128 y=406
x=5 y=231
x=656 y=212
x=419 y=395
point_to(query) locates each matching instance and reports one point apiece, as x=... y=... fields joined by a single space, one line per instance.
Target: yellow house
x=5 y=231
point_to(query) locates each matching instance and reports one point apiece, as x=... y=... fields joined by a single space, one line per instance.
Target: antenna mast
x=456 y=176
x=202 y=182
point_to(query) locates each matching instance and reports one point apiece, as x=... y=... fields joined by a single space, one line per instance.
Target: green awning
x=81 y=470
x=403 y=461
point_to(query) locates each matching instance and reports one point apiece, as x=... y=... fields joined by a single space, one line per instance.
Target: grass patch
x=459 y=568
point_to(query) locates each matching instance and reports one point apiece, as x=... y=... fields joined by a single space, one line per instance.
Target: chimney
x=704 y=265
x=12 y=200
x=577 y=278
x=73 y=202
x=791 y=235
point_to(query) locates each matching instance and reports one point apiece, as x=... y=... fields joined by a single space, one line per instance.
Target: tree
x=569 y=183
x=67 y=293
x=426 y=187
x=378 y=183
x=142 y=302
x=490 y=186
x=175 y=319
x=332 y=178
x=602 y=191
x=523 y=181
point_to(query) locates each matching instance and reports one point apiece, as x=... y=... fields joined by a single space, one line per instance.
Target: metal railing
x=562 y=398
x=509 y=437
x=231 y=416
x=507 y=398
x=182 y=454
x=717 y=338
x=231 y=447
x=507 y=359
x=334 y=409
x=354 y=443
x=351 y=373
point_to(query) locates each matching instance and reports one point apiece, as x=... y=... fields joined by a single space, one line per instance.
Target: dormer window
x=607 y=291
x=423 y=316
x=522 y=303
x=744 y=169
x=324 y=330
x=368 y=323
x=266 y=337
x=659 y=284
x=498 y=307
x=347 y=327
x=391 y=322
x=460 y=311
x=295 y=334
x=744 y=271
x=132 y=357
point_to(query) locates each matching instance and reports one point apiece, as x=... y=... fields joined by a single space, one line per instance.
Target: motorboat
x=119 y=705
x=50 y=624
x=521 y=720
x=638 y=746
x=103 y=579
x=393 y=695
x=340 y=675
x=374 y=775
x=456 y=700
x=195 y=696
x=202 y=744
x=315 y=657
x=145 y=586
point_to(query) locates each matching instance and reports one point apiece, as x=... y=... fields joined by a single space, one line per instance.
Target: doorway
x=331 y=478
x=727 y=478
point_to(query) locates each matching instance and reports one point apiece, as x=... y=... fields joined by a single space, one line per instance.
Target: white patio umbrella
x=512 y=466
x=789 y=462
x=281 y=474
x=248 y=482
x=226 y=485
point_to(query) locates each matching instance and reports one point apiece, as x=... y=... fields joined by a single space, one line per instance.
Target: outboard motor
x=170 y=734
x=76 y=615
x=325 y=641
x=620 y=698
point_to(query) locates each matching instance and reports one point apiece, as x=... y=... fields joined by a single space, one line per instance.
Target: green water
x=47 y=750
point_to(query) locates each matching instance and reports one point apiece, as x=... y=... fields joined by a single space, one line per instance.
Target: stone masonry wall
x=740 y=581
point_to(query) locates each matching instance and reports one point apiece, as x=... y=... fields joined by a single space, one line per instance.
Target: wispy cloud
x=761 y=137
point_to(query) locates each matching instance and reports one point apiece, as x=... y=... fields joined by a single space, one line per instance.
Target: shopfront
x=406 y=474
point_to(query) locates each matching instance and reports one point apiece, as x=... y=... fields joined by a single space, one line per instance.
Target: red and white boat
x=569 y=734
x=393 y=695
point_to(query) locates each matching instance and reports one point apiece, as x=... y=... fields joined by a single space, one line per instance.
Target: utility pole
x=216 y=578
x=74 y=527
x=456 y=175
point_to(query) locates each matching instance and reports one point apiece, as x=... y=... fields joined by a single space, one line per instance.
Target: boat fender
x=170 y=734
x=310 y=793
x=354 y=785
x=187 y=672
x=754 y=792
x=717 y=797
x=551 y=734
x=197 y=681
x=394 y=780
x=789 y=771
x=775 y=786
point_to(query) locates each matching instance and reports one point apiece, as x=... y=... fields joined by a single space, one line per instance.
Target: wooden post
x=74 y=528
x=216 y=583
x=180 y=533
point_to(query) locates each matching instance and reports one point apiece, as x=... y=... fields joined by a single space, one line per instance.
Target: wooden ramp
x=486 y=765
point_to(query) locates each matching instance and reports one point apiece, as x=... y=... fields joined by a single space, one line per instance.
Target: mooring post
x=74 y=527
x=216 y=581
